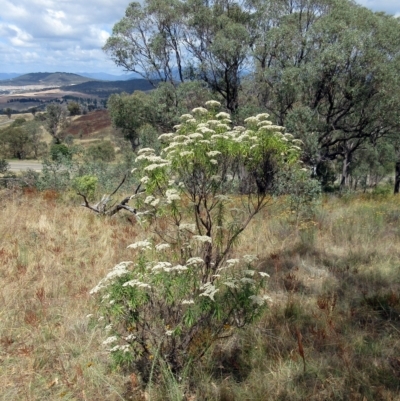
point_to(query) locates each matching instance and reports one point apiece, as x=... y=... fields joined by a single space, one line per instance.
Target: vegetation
x=22 y=139
x=234 y=277
x=334 y=284
x=74 y=108
x=328 y=71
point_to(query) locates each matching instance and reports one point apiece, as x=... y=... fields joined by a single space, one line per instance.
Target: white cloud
x=64 y=35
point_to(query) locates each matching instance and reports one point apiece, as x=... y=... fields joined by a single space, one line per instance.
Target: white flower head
x=152 y=167
x=145 y=150
x=149 y=199
x=199 y=110
x=136 y=283
x=172 y=194
x=252 y=119
x=140 y=245
x=249 y=258
x=110 y=340
x=205 y=130
x=186 y=117
x=213 y=103
x=209 y=291
x=188 y=302
x=163 y=266
x=162 y=247
x=222 y=115
x=162 y=137
x=257 y=300
x=186 y=153
x=202 y=238
x=230 y=284
x=194 y=261
x=130 y=337
x=196 y=135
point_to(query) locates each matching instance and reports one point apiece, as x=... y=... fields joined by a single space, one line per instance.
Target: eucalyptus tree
x=129 y=113
x=142 y=116
x=175 y=41
x=328 y=70
x=54 y=121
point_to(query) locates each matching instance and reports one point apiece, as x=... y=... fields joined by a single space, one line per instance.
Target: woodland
x=233 y=234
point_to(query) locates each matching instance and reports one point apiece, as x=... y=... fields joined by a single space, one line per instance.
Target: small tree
x=34 y=131
x=185 y=289
x=15 y=142
x=54 y=121
x=4 y=166
x=101 y=151
x=8 y=112
x=74 y=108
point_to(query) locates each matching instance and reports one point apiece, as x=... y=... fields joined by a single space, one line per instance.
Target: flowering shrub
x=183 y=290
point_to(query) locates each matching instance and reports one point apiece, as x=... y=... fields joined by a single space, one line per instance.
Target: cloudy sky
x=66 y=35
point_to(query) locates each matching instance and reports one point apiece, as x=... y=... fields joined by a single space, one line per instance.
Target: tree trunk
x=397 y=178
x=345 y=170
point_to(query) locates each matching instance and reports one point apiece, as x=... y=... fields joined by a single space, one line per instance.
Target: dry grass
x=335 y=284
x=51 y=255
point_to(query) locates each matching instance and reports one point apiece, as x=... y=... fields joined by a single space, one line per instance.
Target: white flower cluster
x=199 y=110
x=124 y=348
x=202 y=238
x=140 y=245
x=213 y=103
x=110 y=340
x=172 y=195
x=119 y=270
x=167 y=267
x=136 y=283
x=194 y=261
x=162 y=247
x=209 y=291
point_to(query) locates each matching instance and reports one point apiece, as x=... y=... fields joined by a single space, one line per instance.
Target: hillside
x=105 y=89
x=47 y=79
x=90 y=123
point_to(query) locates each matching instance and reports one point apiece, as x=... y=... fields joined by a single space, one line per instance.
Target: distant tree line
x=25 y=100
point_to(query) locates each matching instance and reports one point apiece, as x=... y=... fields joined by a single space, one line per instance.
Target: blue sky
x=66 y=35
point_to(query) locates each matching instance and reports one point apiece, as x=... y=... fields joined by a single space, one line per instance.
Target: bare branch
x=101 y=206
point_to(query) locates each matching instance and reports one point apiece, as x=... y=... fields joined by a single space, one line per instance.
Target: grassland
x=331 y=333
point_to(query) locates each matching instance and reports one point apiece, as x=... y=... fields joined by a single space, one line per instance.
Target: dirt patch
x=89 y=124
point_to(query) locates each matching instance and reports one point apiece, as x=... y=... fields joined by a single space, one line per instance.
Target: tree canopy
x=328 y=70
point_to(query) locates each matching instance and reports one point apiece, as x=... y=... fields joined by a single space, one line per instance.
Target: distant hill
x=104 y=89
x=6 y=75
x=46 y=78
x=103 y=76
